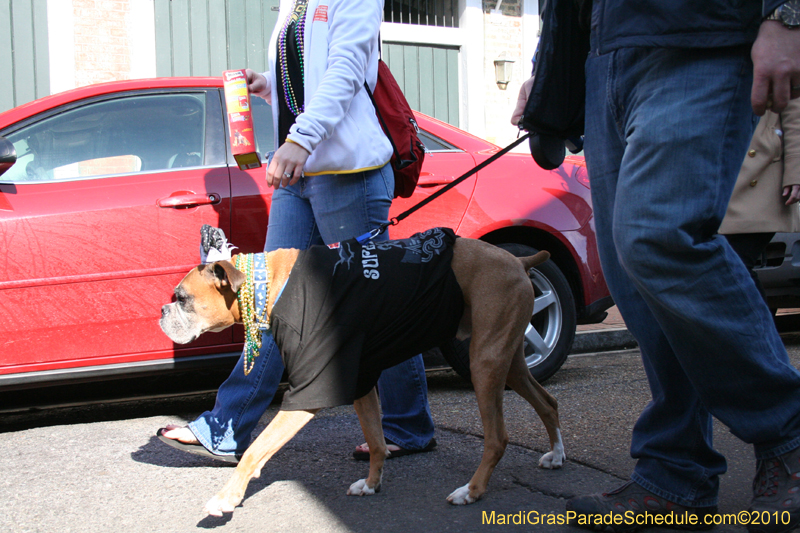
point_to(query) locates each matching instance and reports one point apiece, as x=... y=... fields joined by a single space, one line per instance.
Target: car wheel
x=548 y=338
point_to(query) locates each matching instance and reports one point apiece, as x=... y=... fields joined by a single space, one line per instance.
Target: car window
x=125 y=135
x=435 y=144
x=262 y=124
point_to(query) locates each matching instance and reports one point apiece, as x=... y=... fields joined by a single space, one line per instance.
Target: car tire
x=549 y=338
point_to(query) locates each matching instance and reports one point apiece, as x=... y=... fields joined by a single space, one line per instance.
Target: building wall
x=92 y=41
x=101 y=40
x=484 y=33
x=503 y=40
x=205 y=38
x=23 y=52
x=511 y=32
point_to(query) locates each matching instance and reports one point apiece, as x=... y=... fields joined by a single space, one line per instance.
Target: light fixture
x=502 y=71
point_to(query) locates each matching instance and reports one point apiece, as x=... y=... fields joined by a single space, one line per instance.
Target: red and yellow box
x=240 y=119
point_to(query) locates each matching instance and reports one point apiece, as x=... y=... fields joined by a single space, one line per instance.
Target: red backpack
x=400 y=126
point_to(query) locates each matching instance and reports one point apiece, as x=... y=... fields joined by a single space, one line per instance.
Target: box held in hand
x=240 y=119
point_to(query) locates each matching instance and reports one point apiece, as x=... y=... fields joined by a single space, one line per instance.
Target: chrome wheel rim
x=544 y=330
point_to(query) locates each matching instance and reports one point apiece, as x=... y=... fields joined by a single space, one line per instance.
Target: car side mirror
x=8 y=155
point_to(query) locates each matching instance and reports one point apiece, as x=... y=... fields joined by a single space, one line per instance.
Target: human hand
x=522 y=99
x=256 y=83
x=776 y=67
x=286 y=167
x=793 y=193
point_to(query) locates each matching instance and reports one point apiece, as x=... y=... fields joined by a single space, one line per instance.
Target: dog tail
x=533 y=260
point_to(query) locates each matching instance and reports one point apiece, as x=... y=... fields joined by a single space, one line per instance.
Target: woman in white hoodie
x=333 y=182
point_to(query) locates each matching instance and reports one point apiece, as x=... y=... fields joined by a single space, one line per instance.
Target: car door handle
x=188 y=199
x=426 y=179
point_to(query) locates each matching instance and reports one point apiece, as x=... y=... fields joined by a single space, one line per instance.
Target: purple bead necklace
x=298 y=16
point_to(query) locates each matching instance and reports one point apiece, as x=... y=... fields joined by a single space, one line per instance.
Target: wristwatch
x=788 y=14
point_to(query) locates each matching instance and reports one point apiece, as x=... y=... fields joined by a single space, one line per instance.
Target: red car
x=100 y=218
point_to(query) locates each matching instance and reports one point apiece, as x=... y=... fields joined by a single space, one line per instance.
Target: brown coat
x=772 y=162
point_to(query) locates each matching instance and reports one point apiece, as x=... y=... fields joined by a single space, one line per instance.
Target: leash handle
x=396 y=220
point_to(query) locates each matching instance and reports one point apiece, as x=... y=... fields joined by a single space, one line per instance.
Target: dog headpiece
x=213 y=245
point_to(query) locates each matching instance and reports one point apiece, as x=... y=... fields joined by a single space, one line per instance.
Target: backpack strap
x=383 y=124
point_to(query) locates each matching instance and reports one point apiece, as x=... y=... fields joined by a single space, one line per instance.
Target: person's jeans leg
x=661 y=128
x=406 y=415
x=242 y=400
x=350 y=205
x=691 y=459
x=675 y=430
x=291 y=219
x=685 y=151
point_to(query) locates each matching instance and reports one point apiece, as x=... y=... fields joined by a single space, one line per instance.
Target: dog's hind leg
x=546 y=406
x=499 y=300
x=283 y=427
x=489 y=350
x=495 y=440
x=369 y=415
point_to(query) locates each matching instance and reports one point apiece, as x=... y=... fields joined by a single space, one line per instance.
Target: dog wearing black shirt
x=415 y=294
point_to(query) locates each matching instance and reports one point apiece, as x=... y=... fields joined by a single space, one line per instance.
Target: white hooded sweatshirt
x=338 y=127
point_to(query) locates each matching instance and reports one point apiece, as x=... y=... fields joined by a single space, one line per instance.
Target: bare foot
x=180 y=433
x=364 y=448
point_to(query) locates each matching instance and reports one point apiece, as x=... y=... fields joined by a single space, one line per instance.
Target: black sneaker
x=631 y=507
x=776 y=494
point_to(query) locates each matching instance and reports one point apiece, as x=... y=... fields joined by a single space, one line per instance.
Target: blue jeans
x=666 y=132
x=319 y=210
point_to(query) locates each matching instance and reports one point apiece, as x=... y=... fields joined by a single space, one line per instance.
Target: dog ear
x=225 y=274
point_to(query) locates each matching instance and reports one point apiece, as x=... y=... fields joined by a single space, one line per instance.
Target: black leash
x=396 y=220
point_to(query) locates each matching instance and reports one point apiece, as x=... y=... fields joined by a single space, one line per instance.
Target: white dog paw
x=217 y=506
x=460 y=496
x=360 y=488
x=554 y=458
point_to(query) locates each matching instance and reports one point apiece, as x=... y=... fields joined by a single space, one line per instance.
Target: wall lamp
x=502 y=71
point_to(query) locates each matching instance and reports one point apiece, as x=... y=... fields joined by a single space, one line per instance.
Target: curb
x=603 y=340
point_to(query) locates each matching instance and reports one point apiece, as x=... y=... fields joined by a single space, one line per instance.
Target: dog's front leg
x=369 y=415
x=283 y=427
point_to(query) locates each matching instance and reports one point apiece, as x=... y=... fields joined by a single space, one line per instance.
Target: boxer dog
x=490 y=298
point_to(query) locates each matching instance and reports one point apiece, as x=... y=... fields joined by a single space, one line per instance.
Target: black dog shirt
x=349 y=312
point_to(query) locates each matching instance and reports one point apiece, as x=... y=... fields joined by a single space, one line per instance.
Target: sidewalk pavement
x=611 y=334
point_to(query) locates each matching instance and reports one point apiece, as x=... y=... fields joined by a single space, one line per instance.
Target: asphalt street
x=107 y=472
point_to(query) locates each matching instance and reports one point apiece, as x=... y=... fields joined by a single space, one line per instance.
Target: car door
x=99 y=219
x=444 y=163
